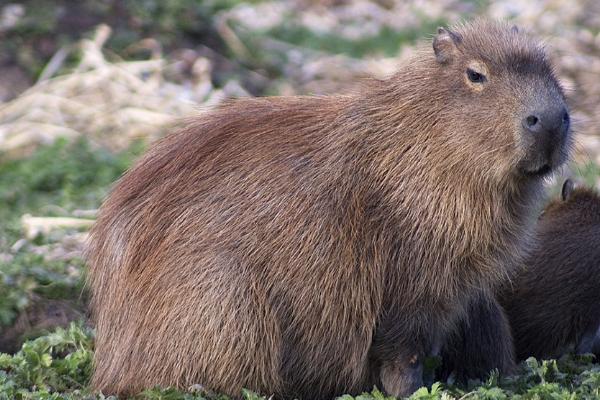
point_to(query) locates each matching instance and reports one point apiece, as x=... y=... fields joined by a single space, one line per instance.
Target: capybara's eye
x=475 y=76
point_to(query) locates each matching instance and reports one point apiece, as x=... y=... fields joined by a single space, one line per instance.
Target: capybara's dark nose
x=548 y=122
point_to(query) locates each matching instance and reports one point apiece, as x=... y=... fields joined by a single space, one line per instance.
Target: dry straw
x=111 y=103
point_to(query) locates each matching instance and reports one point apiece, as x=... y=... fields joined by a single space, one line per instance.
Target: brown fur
x=481 y=342
x=303 y=246
x=554 y=303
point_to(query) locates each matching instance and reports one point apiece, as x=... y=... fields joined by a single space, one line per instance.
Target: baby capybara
x=552 y=303
x=313 y=246
x=481 y=342
x=596 y=345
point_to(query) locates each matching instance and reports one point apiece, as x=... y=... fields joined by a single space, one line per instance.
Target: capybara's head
x=578 y=205
x=498 y=92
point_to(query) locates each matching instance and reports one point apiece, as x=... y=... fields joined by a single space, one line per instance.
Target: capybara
x=553 y=304
x=596 y=345
x=553 y=301
x=481 y=342
x=313 y=246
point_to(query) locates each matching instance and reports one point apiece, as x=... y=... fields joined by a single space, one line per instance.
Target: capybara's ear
x=567 y=189
x=514 y=29
x=444 y=45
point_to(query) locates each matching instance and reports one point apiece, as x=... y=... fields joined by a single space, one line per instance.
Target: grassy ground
x=41 y=274
x=55 y=181
x=58 y=365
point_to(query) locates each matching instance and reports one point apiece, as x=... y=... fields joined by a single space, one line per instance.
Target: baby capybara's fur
x=552 y=303
x=312 y=246
x=596 y=345
x=481 y=342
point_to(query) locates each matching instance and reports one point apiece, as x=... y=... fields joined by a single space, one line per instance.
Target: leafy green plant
x=55 y=179
x=28 y=275
x=60 y=361
x=64 y=175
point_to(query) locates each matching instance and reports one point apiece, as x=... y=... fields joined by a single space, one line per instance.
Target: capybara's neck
x=467 y=220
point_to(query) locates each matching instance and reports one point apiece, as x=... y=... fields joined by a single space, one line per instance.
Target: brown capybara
x=553 y=301
x=313 y=246
x=481 y=342
x=553 y=304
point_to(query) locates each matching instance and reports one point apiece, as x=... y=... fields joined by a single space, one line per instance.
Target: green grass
x=588 y=173
x=386 y=42
x=56 y=180
x=58 y=366
x=63 y=176
x=272 y=61
x=29 y=275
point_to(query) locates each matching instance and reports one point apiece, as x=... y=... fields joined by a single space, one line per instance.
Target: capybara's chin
x=540 y=163
x=309 y=247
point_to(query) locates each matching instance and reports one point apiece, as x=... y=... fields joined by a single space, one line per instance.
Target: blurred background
x=86 y=85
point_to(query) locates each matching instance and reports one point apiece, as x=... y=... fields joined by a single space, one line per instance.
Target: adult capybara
x=312 y=246
x=552 y=304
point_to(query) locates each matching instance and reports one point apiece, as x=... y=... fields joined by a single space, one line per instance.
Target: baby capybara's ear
x=567 y=189
x=444 y=45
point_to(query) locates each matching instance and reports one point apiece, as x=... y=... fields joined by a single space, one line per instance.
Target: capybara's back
x=313 y=246
x=212 y=247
